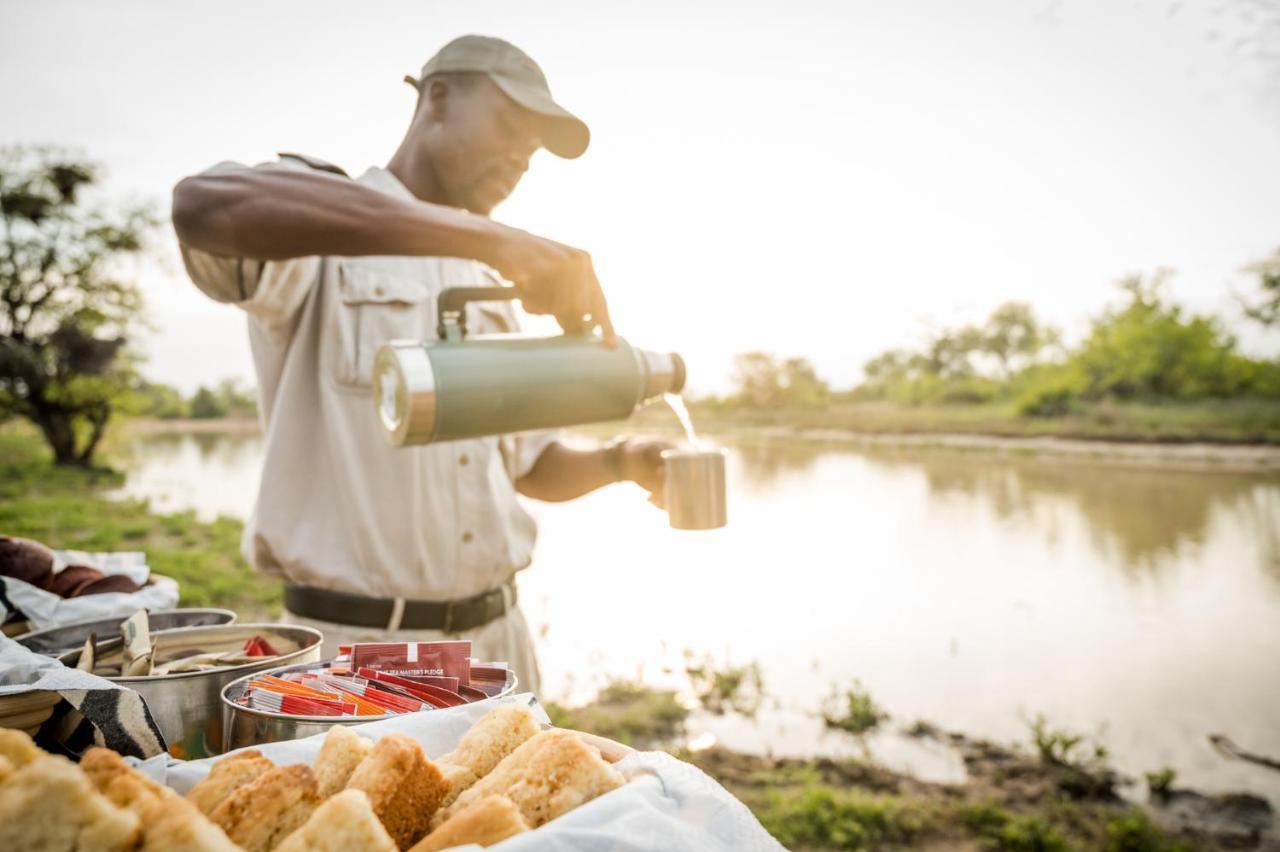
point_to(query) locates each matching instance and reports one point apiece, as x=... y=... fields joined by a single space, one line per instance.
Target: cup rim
x=693 y=452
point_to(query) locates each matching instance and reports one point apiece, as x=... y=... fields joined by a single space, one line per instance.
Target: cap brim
x=566 y=135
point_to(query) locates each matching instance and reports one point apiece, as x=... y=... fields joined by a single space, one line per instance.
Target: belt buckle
x=447 y=628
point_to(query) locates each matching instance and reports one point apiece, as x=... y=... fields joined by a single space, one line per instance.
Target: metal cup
x=695 y=494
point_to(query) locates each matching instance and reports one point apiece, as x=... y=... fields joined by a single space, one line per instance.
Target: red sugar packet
x=432 y=659
x=432 y=694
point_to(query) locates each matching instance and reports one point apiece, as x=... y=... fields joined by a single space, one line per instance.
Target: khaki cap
x=520 y=78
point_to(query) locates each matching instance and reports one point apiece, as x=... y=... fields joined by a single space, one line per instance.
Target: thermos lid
x=404 y=390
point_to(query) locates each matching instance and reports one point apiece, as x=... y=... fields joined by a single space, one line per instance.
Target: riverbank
x=1056 y=793
x=69 y=508
x=1237 y=421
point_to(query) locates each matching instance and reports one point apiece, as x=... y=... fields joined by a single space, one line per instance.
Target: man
x=377 y=543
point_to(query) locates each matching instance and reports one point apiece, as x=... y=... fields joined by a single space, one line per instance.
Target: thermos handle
x=451 y=307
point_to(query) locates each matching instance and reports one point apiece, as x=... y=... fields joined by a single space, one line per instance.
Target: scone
x=456 y=779
x=403 y=786
x=124 y=786
x=550 y=774
x=483 y=822
x=49 y=804
x=494 y=736
x=339 y=756
x=173 y=824
x=18 y=748
x=343 y=823
x=226 y=776
x=264 y=812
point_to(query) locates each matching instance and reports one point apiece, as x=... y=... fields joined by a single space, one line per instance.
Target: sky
x=816 y=179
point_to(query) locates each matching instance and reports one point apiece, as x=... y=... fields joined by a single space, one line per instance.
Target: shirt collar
x=380 y=178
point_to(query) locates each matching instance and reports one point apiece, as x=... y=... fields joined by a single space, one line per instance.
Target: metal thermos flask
x=466 y=387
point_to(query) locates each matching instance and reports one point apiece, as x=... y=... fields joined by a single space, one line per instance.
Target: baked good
x=26 y=560
x=548 y=775
x=6 y=768
x=103 y=766
x=494 y=736
x=173 y=824
x=339 y=755
x=267 y=810
x=484 y=822
x=109 y=583
x=18 y=747
x=456 y=779
x=342 y=823
x=403 y=786
x=49 y=804
x=71 y=579
x=226 y=776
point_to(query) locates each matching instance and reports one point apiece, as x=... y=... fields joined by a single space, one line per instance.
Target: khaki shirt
x=337 y=506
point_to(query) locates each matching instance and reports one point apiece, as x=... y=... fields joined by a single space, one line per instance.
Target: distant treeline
x=225 y=399
x=1143 y=348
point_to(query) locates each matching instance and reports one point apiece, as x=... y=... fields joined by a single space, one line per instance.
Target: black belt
x=360 y=611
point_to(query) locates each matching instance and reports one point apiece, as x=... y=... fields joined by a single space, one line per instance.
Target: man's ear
x=436 y=94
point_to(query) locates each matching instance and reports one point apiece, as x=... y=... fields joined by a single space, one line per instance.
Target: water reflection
x=1137 y=518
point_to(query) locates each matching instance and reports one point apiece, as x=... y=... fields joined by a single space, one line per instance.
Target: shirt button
x=377 y=291
x=467 y=536
x=463 y=459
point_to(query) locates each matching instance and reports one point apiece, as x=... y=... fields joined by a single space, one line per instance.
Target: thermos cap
x=404 y=390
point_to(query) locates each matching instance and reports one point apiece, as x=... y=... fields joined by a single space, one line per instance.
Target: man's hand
x=554 y=279
x=641 y=463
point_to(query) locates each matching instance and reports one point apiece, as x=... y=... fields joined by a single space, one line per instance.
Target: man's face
x=479 y=143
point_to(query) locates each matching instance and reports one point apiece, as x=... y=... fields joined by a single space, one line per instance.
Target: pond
x=1138 y=605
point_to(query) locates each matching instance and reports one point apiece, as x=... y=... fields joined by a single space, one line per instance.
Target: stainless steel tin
x=695 y=491
x=244 y=726
x=54 y=641
x=187 y=707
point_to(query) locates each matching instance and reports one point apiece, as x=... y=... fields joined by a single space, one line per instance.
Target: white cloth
x=45 y=609
x=337 y=506
x=666 y=805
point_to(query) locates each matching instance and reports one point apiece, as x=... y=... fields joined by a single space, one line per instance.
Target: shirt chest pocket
x=373 y=307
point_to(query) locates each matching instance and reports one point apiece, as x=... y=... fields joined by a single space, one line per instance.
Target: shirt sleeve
x=524 y=449
x=271 y=290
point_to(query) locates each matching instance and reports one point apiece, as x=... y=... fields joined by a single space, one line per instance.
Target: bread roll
x=402 y=785
x=484 y=822
x=26 y=560
x=339 y=756
x=550 y=774
x=343 y=823
x=226 y=776
x=264 y=812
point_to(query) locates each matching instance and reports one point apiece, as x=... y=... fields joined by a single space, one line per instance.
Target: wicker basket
x=27 y=711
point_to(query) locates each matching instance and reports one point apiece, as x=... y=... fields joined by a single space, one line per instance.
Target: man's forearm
x=564 y=473
x=275 y=214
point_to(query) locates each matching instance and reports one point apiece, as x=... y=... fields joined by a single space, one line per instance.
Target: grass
x=852 y=711
x=1239 y=421
x=68 y=508
x=737 y=689
x=627 y=712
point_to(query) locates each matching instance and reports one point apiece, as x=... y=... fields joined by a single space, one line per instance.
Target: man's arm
x=277 y=213
x=565 y=473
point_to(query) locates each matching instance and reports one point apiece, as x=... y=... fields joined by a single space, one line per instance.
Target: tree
x=65 y=308
x=1012 y=335
x=207 y=404
x=758 y=379
x=1266 y=309
x=1147 y=348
